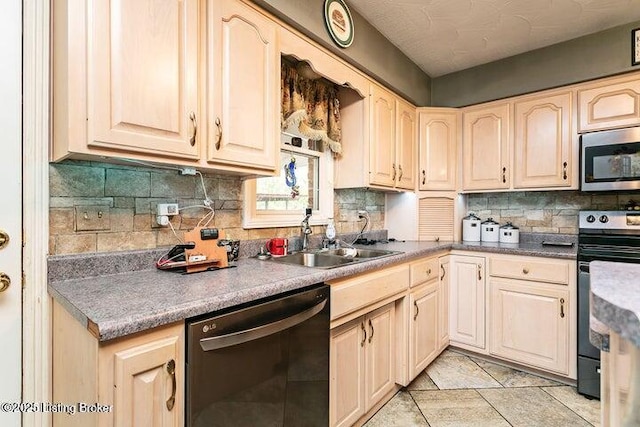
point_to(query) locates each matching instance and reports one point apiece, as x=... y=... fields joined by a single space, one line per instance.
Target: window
x=281 y=200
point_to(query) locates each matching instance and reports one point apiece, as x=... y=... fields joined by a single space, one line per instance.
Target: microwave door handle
x=258 y=332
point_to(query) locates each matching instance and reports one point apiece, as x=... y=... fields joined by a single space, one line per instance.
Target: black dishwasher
x=263 y=364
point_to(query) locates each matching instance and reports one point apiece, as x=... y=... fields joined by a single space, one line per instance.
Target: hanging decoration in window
x=311 y=104
x=290 y=177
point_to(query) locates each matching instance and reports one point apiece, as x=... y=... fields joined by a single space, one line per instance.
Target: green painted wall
x=586 y=58
x=371 y=52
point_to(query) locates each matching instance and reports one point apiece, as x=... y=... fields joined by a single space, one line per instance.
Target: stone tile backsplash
x=131 y=194
x=544 y=211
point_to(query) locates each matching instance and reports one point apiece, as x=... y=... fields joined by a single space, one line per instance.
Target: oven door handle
x=258 y=332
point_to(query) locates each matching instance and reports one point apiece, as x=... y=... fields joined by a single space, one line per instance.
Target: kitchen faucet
x=305 y=229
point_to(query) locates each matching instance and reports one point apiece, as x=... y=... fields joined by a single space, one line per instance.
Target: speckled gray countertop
x=116 y=294
x=615 y=297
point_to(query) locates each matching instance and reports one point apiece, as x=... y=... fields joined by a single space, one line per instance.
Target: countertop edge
x=609 y=305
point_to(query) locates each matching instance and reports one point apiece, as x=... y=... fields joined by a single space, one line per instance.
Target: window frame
x=253 y=218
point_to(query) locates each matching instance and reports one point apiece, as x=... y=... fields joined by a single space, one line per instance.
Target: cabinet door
x=346 y=365
x=147 y=390
x=438 y=141
x=423 y=328
x=485 y=147
x=610 y=104
x=543 y=141
x=143 y=77
x=467 y=310
x=406 y=127
x=380 y=354
x=244 y=77
x=443 y=303
x=382 y=163
x=530 y=323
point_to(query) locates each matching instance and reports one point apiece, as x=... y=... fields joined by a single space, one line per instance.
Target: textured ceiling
x=443 y=36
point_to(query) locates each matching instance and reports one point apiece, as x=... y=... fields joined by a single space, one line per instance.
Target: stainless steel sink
x=314 y=259
x=360 y=253
x=333 y=257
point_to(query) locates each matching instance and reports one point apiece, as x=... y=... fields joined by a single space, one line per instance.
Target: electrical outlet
x=168 y=209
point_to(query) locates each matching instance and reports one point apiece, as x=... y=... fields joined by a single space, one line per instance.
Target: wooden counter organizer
x=207 y=247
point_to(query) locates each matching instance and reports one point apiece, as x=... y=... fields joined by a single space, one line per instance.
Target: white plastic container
x=509 y=233
x=471 y=228
x=490 y=231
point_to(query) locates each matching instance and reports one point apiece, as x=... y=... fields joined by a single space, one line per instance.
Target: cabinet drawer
x=424 y=271
x=547 y=270
x=351 y=294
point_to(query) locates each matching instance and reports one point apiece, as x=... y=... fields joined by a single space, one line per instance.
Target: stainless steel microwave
x=610 y=160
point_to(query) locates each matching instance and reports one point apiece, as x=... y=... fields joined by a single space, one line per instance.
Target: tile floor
x=457 y=390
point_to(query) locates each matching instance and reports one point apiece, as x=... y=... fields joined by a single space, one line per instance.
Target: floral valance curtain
x=311 y=105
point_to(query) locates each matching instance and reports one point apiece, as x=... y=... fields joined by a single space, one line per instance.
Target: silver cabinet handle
x=171 y=369
x=219 y=126
x=240 y=337
x=192 y=139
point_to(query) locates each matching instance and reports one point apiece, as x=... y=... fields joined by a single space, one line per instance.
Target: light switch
x=93 y=218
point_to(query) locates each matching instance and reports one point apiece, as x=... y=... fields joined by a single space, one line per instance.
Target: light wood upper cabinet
x=125 y=79
x=543 y=141
x=467 y=315
x=485 y=147
x=406 y=126
x=244 y=79
x=609 y=103
x=382 y=153
x=530 y=323
x=392 y=146
x=438 y=142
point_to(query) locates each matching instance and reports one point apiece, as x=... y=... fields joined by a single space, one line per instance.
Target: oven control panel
x=609 y=220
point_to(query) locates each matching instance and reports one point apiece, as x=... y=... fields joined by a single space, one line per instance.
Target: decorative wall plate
x=339 y=23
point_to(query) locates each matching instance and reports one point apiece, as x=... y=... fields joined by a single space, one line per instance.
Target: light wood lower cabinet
x=443 y=302
x=467 y=315
x=423 y=327
x=140 y=377
x=362 y=364
x=529 y=323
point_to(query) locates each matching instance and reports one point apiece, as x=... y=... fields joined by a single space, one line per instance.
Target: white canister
x=490 y=231
x=471 y=228
x=509 y=233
